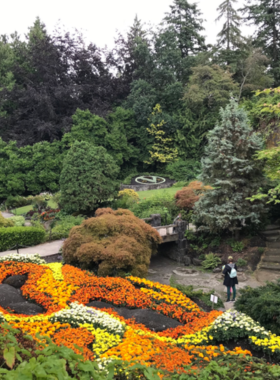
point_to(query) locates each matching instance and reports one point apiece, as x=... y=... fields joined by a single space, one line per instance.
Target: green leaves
x=9 y=355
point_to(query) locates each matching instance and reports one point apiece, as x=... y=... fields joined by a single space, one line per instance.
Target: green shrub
x=88 y=177
x=262 y=304
x=17 y=201
x=39 y=202
x=211 y=261
x=62 y=227
x=237 y=246
x=163 y=205
x=23 y=236
x=183 y=170
x=241 y=263
x=5 y=222
x=18 y=220
x=261 y=250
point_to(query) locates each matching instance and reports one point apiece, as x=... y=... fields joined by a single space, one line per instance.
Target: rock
x=151 y=271
x=101 y=305
x=217 y=270
x=16 y=281
x=257 y=241
x=9 y=296
x=240 y=270
x=27 y=308
x=186 y=261
x=151 y=319
x=185 y=272
x=196 y=262
x=242 y=277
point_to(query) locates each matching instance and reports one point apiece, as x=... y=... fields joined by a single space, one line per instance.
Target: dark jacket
x=229 y=281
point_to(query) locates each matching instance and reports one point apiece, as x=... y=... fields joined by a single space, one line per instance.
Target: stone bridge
x=174 y=243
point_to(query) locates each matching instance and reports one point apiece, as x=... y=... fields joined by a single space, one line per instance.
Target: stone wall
x=147 y=186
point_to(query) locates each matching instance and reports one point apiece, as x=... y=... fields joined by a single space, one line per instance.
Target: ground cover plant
x=100 y=335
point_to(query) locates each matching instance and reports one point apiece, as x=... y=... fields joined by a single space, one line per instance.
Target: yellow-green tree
x=163 y=150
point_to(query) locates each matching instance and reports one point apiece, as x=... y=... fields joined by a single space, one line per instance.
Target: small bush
x=163 y=205
x=237 y=246
x=241 y=263
x=128 y=193
x=5 y=222
x=112 y=243
x=262 y=304
x=17 y=201
x=23 y=236
x=189 y=195
x=211 y=261
x=261 y=250
x=39 y=202
x=18 y=220
x=63 y=227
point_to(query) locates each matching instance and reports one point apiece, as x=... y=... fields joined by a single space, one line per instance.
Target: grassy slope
x=25 y=209
x=158 y=192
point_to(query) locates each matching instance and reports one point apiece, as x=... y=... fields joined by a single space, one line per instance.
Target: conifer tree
x=230 y=169
x=230 y=35
x=265 y=16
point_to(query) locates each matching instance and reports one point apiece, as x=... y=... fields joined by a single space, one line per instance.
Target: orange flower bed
x=131 y=341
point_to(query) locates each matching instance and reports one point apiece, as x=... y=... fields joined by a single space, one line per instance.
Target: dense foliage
x=21 y=236
x=262 y=304
x=229 y=167
x=112 y=242
x=88 y=177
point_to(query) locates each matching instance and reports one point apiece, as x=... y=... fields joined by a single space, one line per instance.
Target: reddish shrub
x=114 y=242
x=190 y=194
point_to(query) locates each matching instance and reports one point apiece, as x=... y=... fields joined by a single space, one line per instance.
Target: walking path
x=46 y=249
x=6 y=214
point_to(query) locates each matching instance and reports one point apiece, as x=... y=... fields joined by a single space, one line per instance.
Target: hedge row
x=23 y=236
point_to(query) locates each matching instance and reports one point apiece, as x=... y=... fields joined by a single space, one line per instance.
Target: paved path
x=7 y=214
x=46 y=249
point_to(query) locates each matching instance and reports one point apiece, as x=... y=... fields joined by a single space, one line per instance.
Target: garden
x=82 y=332
x=162 y=128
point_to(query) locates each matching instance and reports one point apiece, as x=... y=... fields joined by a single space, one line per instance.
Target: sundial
x=150 y=179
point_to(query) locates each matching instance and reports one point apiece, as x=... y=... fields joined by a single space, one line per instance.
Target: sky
x=98 y=19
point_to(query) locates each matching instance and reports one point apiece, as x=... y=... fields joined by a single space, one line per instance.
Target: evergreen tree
x=184 y=19
x=230 y=35
x=230 y=169
x=88 y=177
x=265 y=15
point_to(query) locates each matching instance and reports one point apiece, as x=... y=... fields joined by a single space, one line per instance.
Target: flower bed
x=64 y=291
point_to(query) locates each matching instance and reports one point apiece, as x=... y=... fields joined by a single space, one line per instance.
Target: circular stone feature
x=185 y=272
x=150 y=180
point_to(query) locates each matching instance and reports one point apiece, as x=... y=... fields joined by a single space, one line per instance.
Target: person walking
x=230 y=272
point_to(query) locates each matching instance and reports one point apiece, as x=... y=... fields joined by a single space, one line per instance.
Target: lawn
x=25 y=209
x=158 y=192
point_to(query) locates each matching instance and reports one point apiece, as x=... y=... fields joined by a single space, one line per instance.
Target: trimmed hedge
x=27 y=236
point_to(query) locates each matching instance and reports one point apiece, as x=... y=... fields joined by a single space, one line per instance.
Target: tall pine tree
x=230 y=169
x=230 y=35
x=265 y=15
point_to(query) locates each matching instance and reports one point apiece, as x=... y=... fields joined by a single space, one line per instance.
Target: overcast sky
x=97 y=19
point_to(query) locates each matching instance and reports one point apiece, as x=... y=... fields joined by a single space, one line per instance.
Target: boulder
x=217 y=270
x=9 y=296
x=16 y=281
x=196 y=262
x=101 y=305
x=151 y=319
x=186 y=261
x=27 y=308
